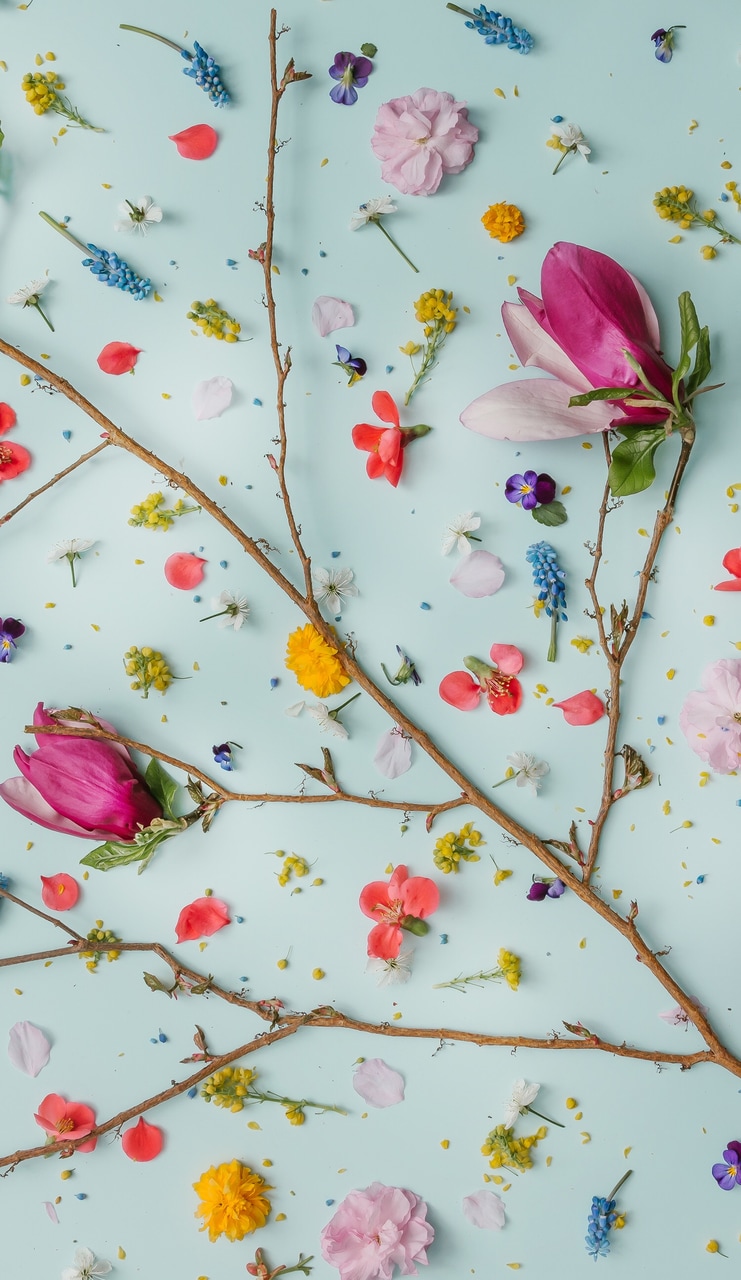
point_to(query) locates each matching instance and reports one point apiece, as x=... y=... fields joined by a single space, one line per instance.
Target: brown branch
x=58 y=924
x=59 y=476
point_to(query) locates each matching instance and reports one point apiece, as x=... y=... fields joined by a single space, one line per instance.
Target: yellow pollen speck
x=3 y=66
x=157 y=297
x=44 y=355
x=586 y=444
x=106 y=186
x=50 y=605
x=323 y=162
x=585 y=1138
x=578 y=1115
x=709 y=620
x=95 y=626
x=389 y=869
x=50 y=57
x=445 y=1144
x=65 y=1174
x=643 y=533
x=24 y=380
x=579 y=809
x=223 y=480
x=506 y=1186
x=275 y=269
x=29 y=845
x=202 y=946
x=566 y=488
x=196 y=666
x=686 y=884
x=18 y=991
x=318 y=974
x=693 y=126
x=677 y=529
x=627 y=1152
x=280 y=1217
x=733 y=507
x=570 y=1104
x=548 y=701
x=515 y=91
x=38 y=59
x=726 y=164
x=86 y=875
x=396 y=1016
x=617 y=893
x=675 y=240
x=514 y=1266
x=548 y=1161
x=318 y=881
x=500 y=93
x=282 y=964
x=163 y=719
x=513 y=366
x=715 y=840
x=121 y=1253
x=671 y=673
x=542 y=688
x=267 y=1164
x=582 y=944
x=252 y=1124
x=511 y=279
x=166 y=395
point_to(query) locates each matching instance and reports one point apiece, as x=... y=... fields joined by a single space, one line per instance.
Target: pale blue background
x=593 y=64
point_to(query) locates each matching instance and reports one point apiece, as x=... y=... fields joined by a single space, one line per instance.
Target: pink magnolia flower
x=419 y=138
x=401 y=904
x=66 y=1120
x=503 y=692
x=592 y=310
x=80 y=787
x=374 y=1231
x=711 y=717
x=201 y=918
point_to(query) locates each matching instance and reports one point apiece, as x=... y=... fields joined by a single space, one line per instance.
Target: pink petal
x=507 y=657
x=50 y=1210
x=59 y=892
x=484 y=1209
x=28 y=1048
x=582 y=708
x=184 y=570
x=196 y=143
x=479 y=574
x=201 y=918
x=211 y=398
x=384 y=407
x=372 y=897
x=393 y=753
x=378 y=1084
x=384 y=941
x=460 y=690
x=26 y=800
x=732 y=561
x=534 y=346
x=8 y=417
x=328 y=314
x=118 y=357
x=142 y=1141
x=420 y=896
x=733 y=584
x=536 y=409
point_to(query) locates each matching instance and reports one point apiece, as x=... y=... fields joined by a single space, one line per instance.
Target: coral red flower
x=503 y=692
x=184 y=570
x=201 y=918
x=196 y=143
x=13 y=460
x=403 y=903
x=59 y=892
x=66 y=1121
x=582 y=708
x=7 y=417
x=142 y=1141
x=118 y=357
x=731 y=562
x=383 y=444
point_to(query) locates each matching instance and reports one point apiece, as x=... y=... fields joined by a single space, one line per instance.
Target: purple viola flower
x=349 y=71
x=541 y=889
x=10 y=631
x=664 y=42
x=556 y=889
x=354 y=366
x=223 y=756
x=531 y=489
x=728 y=1175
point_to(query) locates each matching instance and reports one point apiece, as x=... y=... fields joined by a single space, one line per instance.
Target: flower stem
x=64 y=232
x=142 y=31
x=619 y=1184
x=562 y=158
x=390 y=238
x=457 y=9
x=429 y=360
x=552 y=646
x=71 y=559
x=507 y=778
x=215 y=615
x=258 y=1096
x=336 y=710
x=540 y=1116
x=38 y=307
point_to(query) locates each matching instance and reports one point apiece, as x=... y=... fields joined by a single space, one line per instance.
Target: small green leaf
x=369 y=50
x=604 y=393
x=113 y=853
x=702 y=362
x=632 y=467
x=689 y=324
x=154 y=984
x=553 y=513
x=163 y=786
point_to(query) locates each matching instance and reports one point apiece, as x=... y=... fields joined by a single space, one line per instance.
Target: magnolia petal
x=8 y=417
x=196 y=143
x=28 y=1048
x=201 y=918
x=211 y=398
x=459 y=689
x=507 y=657
x=536 y=409
x=393 y=753
x=484 y=1209
x=184 y=570
x=328 y=314
x=378 y=1084
x=59 y=892
x=118 y=357
x=477 y=575
x=534 y=346
x=142 y=1141
x=582 y=708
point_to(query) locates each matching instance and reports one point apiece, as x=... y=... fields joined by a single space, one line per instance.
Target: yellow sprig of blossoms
x=152 y=514
x=149 y=668
x=451 y=849
x=438 y=317
x=677 y=204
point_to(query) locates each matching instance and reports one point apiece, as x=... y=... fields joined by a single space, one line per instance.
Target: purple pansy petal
x=723 y=1176
x=537 y=891
x=345 y=95
x=343 y=355
x=12 y=627
x=529 y=500
x=545 y=489
x=556 y=889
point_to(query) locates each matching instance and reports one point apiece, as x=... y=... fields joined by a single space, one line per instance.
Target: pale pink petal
x=26 y=800
x=28 y=1048
x=536 y=409
x=184 y=570
x=477 y=575
x=484 y=1209
x=211 y=398
x=582 y=708
x=378 y=1084
x=393 y=753
x=534 y=346
x=328 y=314
x=50 y=1210
x=507 y=657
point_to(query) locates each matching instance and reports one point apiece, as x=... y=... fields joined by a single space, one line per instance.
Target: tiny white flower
x=333 y=585
x=371 y=211
x=458 y=533
x=391 y=972
x=30 y=291
x=70 y=549
x=137 y=216
x=234 y=610
x=522 y=1096
x=327 y=722
x=571 y=137
x=86 y=1266
x=529 y=772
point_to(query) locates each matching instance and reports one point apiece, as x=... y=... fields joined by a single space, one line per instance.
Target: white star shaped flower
x=519 y=1102
x=458 y=534
x=326 y=721
x=391 y=972
x=86 y=1266
x=371 y=211
x=333 y=586
x=23 y=296
x=138 y=215
x=529 y=772
x=234 y=609
x=571 y=137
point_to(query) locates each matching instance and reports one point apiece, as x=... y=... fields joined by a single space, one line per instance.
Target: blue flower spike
x=602 y=1218
x=107 y=267
x=496 y=29
x=549 y=579
x=201 y=67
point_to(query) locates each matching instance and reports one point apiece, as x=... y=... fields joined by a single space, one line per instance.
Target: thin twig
x=59 y=476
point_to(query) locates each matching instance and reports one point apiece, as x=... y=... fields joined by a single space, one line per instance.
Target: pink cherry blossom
x=402 y=903
x=419 y=138
x=711 y=717
x=374 y=1231
x=66 y=1120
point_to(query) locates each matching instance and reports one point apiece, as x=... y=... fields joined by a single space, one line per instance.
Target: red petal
x=507 y=657
x=59 y=892
x=389 y=446
x=118 y=357
x=19 y=460
x=733 y=584
x=7 y=417
x=201 y=918
x=384 y=941
x=373 y=896
x=184 y=570
x=732 y=562
x=143 y=1141
x=384 y=406
x=196 y=143
x=364 y=436
x=583 y=708
x=460 y=690
x=420 y=896
x=505 y=704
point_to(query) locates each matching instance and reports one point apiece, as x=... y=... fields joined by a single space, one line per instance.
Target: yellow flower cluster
x=434 y=311
x=582 y=643
x=294 y=865
x=673 y=205
x=315 y=664
x=732 y=188
x=295 y=1114
x=503 y=222
x=93 y=956
x=228 y=1087
x=232 y=1201
x=149 y=668
x=41 y=88
x=505 y=1150
x=510 y=966
x=453 y=849
x=153 y=514
x=213 y=321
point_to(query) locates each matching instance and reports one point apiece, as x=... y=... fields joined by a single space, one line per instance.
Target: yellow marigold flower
x=232 y=1202
x=503 y=222
x=315 y=664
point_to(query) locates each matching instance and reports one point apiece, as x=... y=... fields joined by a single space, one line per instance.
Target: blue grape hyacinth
x=602 y=1218
x=496 y=29
x=206 y=73
x=549 y=579
x=111 y=270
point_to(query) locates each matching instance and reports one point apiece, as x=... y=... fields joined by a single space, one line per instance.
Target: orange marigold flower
x=503 y=222
x=232 y=1202
x=315 y=664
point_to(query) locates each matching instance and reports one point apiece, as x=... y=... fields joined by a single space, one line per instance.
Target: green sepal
x=632 y=468
x=553 y=513
x=702 y=362
x=162 y=785
x=154 y=984
x=414 y=925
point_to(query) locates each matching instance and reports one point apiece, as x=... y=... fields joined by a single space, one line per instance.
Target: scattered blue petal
x=231 y=262
x=661 y=719
x=239 y=919
x=329 y=1202
x=66 y=646
x=389 y=368
x=259 y=404
x=192 y=1092
x=700 y=880
x=273 y=682
x=424 y=605
x=196 y=599
x=162 y=1038
x=67 y=435
x=556 y=119
x=305 y=270
x=335 y=554
x=322 y=254
x=646 y=614
x=443 y=939
x=222 y=564
x=80 y=1195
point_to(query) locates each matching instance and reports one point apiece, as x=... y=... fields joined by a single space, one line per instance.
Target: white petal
x=484 y=1209
x=328 y=314
x=477 y=575
x=378 y=1084
x=295 y=709
x=211 y=398
x=393 y=753
x=536 y=409
x=28 y=1048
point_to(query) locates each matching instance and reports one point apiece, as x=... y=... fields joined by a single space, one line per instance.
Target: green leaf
x=553 y=513
x=702 y=362
x=118 y=853
x=689 y=324
x=163 y=786
x=632 y=467
x=369 y=50
x=604 y=393
x=154 y=984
